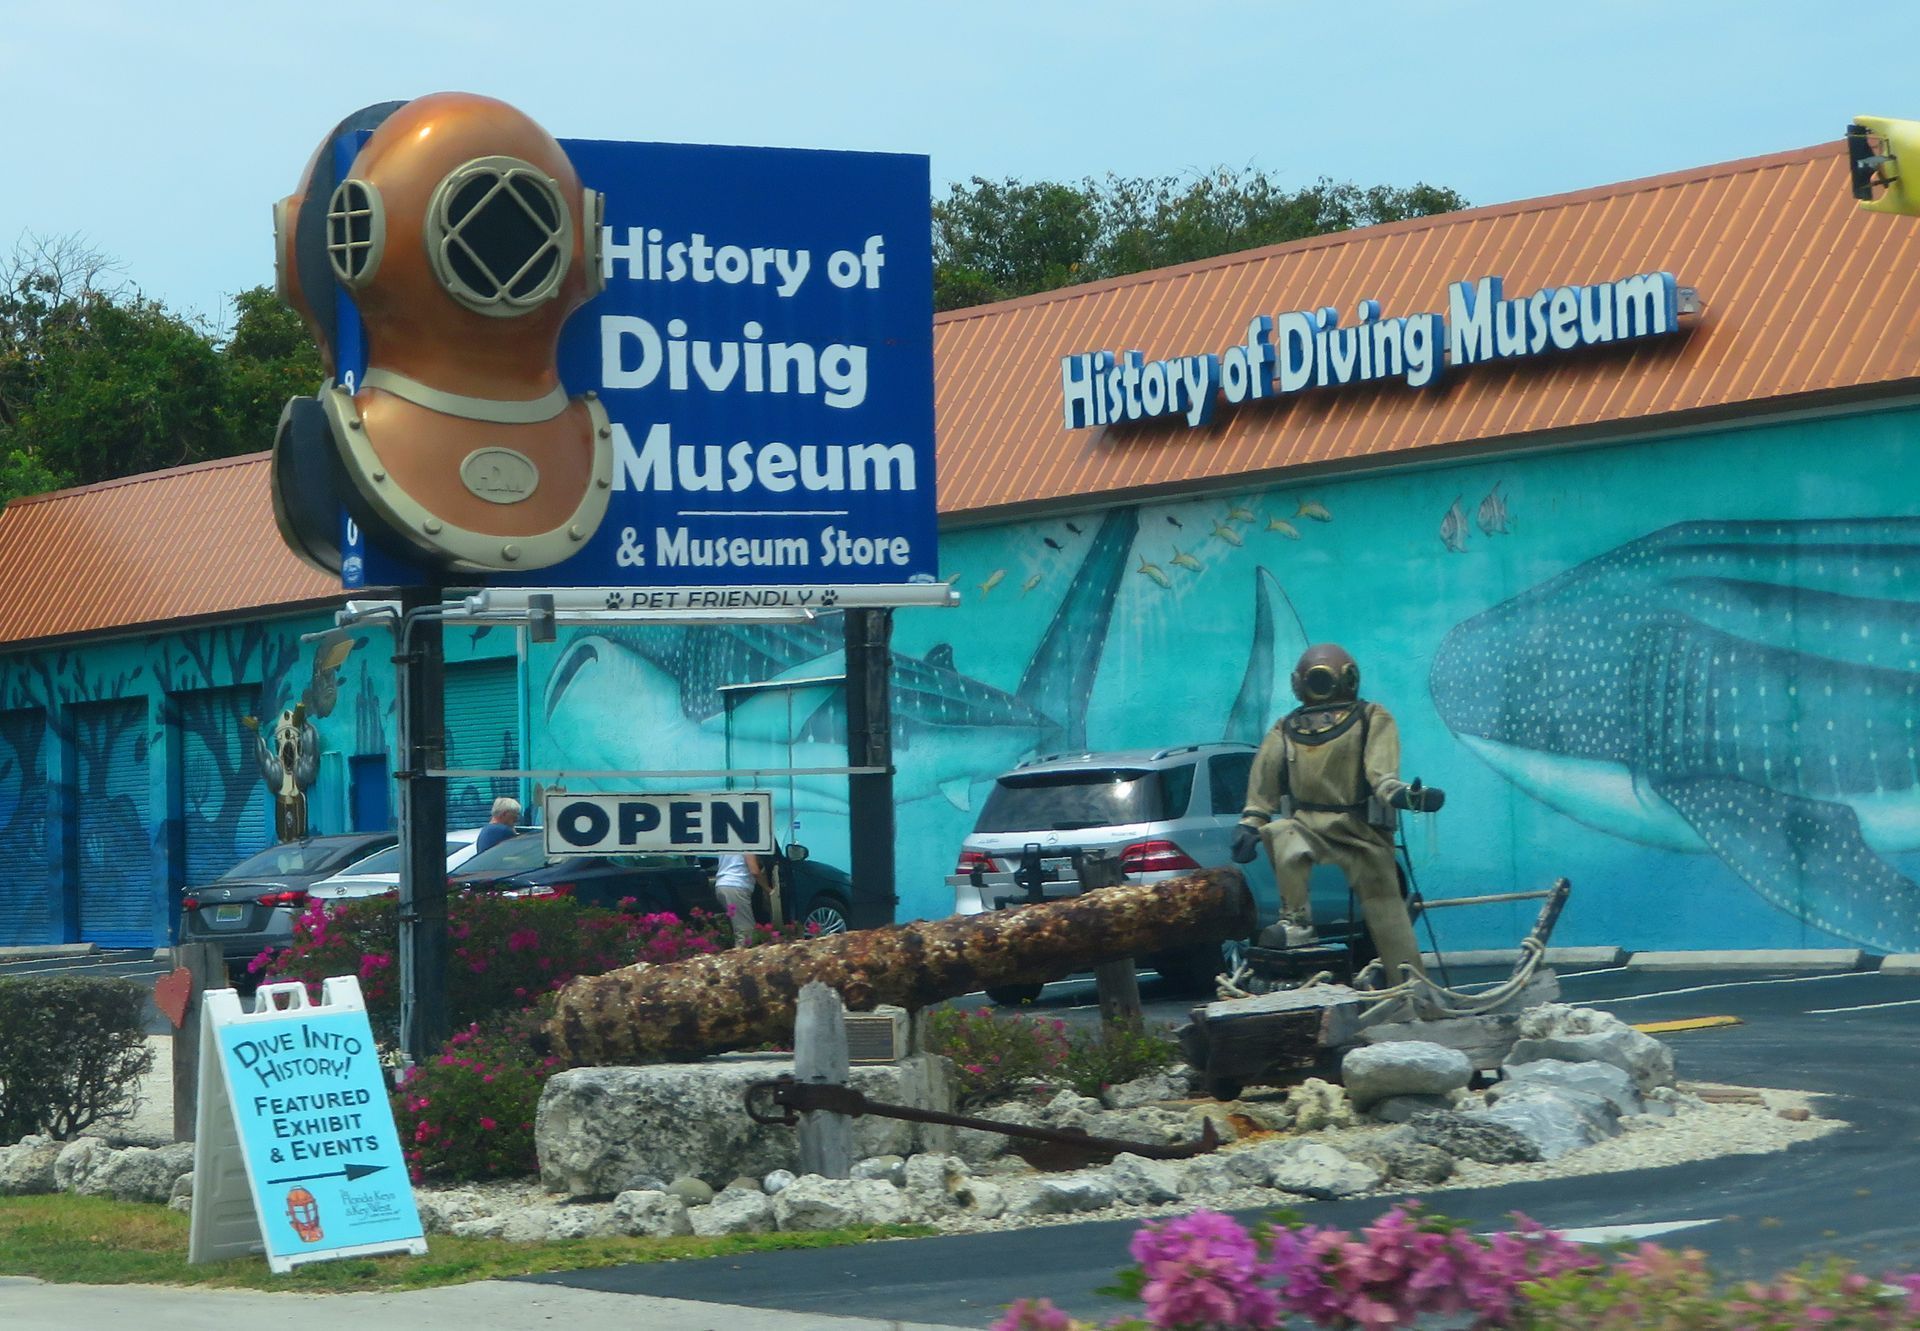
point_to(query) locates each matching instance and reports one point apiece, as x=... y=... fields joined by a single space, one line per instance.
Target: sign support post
x=421 y=662
x=870 y=816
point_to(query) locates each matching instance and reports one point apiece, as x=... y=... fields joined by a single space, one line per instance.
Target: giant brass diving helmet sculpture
x=461 y=239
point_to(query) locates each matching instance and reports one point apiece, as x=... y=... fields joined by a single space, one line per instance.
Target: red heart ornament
x=171 y=994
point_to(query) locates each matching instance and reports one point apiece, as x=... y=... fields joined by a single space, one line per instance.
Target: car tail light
x=542 y=890
x=1155 y=857
x=297 y=897
x=189 y=903
x=973 y=859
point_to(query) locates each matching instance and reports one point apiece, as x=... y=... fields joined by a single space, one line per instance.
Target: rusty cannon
x=746 y=997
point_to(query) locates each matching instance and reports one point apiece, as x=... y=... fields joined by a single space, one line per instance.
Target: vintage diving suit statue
x=1325 y=789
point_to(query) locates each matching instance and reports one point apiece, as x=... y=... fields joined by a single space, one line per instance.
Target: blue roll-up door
x=27 y=913
x=225 y=808
x=111 y=823
x=483 y=731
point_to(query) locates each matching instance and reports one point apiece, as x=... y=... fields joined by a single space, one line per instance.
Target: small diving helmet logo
x=464 y=239
x=303 y=1213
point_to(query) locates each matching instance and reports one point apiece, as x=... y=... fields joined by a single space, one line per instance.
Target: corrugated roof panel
x=180 y=544
x=1803 y=293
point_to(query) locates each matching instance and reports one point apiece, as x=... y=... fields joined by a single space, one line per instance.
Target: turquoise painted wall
x=124 y=772
x=1681 y=673
x=1594 y=614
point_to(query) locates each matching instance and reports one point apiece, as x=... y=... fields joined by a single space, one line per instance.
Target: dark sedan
x=817 y=896
x=519 y=866
x=253 y=905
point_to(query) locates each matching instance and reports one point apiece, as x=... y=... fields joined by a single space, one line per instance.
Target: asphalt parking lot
x=1848 y=1038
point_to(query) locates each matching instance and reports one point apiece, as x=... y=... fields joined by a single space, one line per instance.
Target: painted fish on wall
x=648 y=698
x=1745 y=689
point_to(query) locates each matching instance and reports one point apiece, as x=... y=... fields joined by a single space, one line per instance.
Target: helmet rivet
x=578 y=532
x=509 y=552
x=603 y=482
x=431 y=526
x=379 y=476
x=354 y=424
x=592 y=396
x=606 y=432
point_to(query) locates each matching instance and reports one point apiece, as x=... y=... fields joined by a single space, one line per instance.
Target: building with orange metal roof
x=1634 y=566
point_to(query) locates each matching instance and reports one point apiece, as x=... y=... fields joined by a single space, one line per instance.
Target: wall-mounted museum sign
x=1306 y=349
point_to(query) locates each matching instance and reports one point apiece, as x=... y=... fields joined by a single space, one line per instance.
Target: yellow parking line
x=1687 y=1024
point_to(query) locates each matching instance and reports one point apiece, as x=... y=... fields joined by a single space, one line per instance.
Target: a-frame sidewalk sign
x=295 y=1152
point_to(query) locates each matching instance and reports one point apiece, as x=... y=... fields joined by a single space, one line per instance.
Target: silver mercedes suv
x=1164 y=812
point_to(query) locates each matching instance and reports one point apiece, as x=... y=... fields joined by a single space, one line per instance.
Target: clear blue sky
x=164 y=131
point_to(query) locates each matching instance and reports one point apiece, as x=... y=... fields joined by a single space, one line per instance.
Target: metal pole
x=869 y=635
x=421 y=664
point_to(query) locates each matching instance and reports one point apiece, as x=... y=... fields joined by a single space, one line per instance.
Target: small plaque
x=499 y=475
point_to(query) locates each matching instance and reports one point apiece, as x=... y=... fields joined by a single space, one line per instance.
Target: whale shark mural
x=650 y=698
x=1745 y=689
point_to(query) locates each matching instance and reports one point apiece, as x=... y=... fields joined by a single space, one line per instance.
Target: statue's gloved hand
x=1419 y=798
x=1246 y=844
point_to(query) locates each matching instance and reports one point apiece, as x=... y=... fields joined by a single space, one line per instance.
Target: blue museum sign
x=759 y=359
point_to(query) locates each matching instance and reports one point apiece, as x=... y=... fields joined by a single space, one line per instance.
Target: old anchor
x=782 y=1100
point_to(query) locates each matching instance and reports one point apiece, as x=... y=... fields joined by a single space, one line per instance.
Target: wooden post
x=820 y=1058
x=1116 y=981
x=209 y=971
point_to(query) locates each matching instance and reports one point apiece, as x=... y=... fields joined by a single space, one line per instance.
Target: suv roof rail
x=1054 y=757
x=1158 y=754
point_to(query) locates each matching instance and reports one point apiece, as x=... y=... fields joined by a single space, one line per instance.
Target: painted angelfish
x=1453 y=528
x=1492 y=513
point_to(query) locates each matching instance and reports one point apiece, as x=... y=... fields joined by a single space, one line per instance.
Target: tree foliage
x=994 y=240
x=99 y=381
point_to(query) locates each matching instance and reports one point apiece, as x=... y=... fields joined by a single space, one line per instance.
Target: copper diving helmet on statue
x=464 y=238
x=1326 y=680
x=1326 y=673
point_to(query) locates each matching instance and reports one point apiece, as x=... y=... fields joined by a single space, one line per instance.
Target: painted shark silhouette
x=1746 y=689
x=645 y=698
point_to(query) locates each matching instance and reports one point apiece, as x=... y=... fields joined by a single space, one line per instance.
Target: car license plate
x=228 y=914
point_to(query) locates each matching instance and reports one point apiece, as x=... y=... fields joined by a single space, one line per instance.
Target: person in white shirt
x=733 y=883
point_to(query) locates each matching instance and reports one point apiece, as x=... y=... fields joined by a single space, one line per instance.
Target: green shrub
x=468 y=1113
x=1104 y=1055
x=72 y=1050
x=992 y=1054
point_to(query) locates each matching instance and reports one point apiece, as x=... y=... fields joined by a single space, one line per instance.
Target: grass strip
x=91 y=1240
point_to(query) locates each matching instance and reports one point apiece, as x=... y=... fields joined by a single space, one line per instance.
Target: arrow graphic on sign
x=351 y=1172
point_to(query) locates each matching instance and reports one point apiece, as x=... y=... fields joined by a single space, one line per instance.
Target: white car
x=379 y=873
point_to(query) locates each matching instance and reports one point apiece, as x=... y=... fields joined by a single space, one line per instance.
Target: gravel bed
x=1699 y=1133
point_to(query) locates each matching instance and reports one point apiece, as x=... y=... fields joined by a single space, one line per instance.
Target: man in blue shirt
x=506 y=813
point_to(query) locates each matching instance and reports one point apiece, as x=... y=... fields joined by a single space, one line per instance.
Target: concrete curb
x=48 y=951
x=1901 y=963
x=485 y=1305
x=1507 y=956
x=1759 y=959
